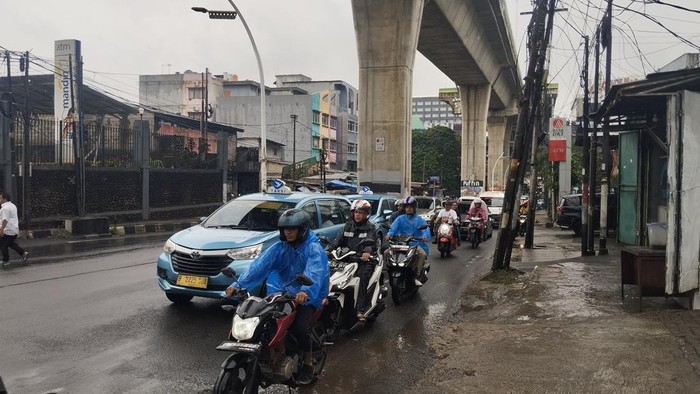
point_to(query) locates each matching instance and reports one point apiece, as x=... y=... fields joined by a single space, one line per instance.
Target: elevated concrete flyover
x=468 y=40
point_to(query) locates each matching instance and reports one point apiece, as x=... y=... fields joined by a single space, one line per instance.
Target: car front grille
x=205 y=265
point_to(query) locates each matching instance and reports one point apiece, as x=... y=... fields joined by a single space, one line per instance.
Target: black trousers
x=301 y=328
x=8 y=241
x=364 y=272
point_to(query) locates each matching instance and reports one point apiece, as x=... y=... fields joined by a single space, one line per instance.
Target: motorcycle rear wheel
x=241 y=379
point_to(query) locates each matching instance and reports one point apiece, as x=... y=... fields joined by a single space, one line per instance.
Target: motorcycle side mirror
x=228 y=271
x=423 y=227
x=303 y=280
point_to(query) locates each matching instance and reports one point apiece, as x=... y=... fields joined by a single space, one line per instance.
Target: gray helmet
x=294 y=218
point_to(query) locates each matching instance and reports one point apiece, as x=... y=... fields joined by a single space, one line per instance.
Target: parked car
x=233 y=236
x=462 y=210
x=427 y=205
x=494 y=200
x=382 y=208
x=569 y=212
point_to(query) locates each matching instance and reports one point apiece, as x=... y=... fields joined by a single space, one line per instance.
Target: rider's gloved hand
x=423 y=239
x=301 y=297
x=365 y=256
x=230 y=291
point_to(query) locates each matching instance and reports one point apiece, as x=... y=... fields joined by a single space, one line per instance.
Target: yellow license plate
x=199 y=282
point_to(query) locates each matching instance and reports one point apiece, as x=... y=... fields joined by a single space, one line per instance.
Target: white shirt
x=9 y=212
x=451 y=216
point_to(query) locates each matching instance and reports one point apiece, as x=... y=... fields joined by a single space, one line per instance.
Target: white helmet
x=362 y=206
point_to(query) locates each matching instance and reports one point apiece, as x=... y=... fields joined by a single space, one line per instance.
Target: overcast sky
x=122 y=39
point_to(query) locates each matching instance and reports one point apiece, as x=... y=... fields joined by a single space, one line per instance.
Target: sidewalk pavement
x=563 y=327
x=57 y=244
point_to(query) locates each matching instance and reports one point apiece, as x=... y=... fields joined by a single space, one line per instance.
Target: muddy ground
x=562 y=327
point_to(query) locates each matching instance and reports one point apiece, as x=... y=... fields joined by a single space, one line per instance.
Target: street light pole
x=263 y=123
x=493 y=171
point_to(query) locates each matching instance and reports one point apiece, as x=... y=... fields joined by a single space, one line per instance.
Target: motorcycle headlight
x=243 y=329
x=247 y=253
x=401 y=264
x=169 y=246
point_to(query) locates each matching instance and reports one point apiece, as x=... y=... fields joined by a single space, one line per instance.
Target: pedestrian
x=9 y=230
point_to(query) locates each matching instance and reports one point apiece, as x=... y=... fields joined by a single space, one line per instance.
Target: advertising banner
x=66 y=54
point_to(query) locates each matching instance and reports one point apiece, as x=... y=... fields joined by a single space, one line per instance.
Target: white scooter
x=342 y=298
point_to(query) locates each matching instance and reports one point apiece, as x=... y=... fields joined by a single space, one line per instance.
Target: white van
x=494 y=200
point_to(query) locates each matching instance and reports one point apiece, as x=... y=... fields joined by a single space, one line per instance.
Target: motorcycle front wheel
x=242 y=378
x=398 y=289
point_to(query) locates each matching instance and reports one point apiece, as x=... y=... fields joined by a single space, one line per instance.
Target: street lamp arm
x=263 y=123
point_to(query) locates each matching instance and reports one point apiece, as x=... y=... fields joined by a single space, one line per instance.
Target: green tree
x=437 y=152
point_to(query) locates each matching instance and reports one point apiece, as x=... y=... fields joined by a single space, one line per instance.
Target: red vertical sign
x=557 y=150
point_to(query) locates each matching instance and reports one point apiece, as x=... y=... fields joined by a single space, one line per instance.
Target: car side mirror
x=203 y=218
x=303 y=280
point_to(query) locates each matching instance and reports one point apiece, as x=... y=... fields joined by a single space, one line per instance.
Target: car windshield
x=253 y=215
x=493 y=201
x=423 y=204
x=463 y=208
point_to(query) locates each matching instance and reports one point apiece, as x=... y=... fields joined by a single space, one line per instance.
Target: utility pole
x=26 y=149
x=584 y=187
x=6 y=128
x=593 y=151
x=538 y=40
x=536 y=125
x=202 y=124
x=605 y=165
x=294 y=148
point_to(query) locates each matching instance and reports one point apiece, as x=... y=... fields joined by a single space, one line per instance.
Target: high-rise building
x=434 y=112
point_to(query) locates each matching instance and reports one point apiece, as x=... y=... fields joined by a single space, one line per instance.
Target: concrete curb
x=114 y=231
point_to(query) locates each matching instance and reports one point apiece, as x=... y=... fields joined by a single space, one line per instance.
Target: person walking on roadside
x=9 y=230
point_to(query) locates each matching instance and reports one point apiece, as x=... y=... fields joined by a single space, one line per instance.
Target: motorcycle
x=401 y=265
x=522 y=225
x=342 y=298
x=475 y=224
x=264 y=352
x=446 y=241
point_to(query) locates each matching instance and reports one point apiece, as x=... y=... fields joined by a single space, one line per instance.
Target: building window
x=195 y=93
x=333 y=146
x=324 y=143
x=316 y=142
x=351 y=127
x=324 y=120
x=194 y=115
x=334 y=122
x=316 y=117
x=352 y=147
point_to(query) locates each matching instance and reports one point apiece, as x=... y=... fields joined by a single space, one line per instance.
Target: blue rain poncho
x=280 y=262
x=408 y=225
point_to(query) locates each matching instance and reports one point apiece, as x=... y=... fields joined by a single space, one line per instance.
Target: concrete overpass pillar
x=475 y=105
x=387 y=38
x=496 y=128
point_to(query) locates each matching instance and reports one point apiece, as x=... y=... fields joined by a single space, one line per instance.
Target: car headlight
x=169 y=246
x=243 y=329
x=247 y=253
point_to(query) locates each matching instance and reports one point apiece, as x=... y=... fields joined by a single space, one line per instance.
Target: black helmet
x=294 y=218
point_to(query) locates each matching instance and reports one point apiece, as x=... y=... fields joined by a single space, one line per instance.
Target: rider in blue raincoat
x=300 y=252
x=408 y=224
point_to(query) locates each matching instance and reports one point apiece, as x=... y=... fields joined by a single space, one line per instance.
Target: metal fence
x=173 y=147
x=52 y=143
x=113 y=146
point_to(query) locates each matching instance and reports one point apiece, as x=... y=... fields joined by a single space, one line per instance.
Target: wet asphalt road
x=101 y=324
